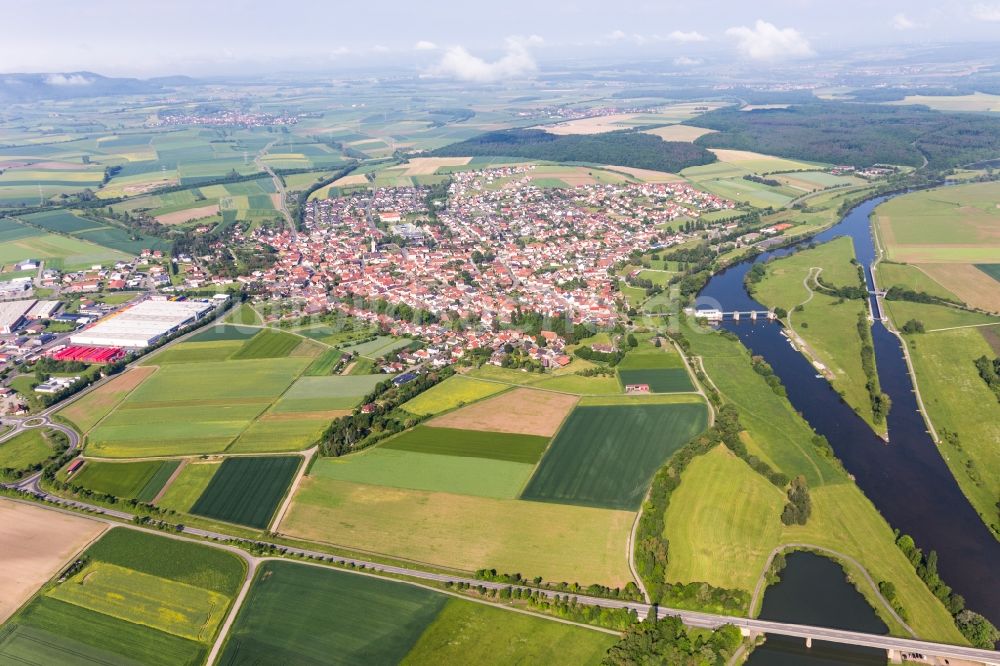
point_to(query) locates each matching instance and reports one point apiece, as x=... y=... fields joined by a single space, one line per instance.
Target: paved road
x=279 y=186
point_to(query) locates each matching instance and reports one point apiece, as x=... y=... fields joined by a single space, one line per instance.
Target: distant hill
x=16 y=88
x=625 y=148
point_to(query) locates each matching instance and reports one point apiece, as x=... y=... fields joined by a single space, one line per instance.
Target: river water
x=906 y=479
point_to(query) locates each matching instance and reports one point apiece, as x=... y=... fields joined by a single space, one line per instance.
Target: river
x=906 y=479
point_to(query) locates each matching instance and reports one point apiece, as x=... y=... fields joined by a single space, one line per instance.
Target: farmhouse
x=637 y=388
x=141 y=325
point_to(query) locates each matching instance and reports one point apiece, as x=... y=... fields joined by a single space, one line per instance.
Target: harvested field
x=188 y=214
x=556 y=541
x=606 y=456
x=648 y=175
x=91 y=408
x=425 y=166
x=470 y=443
x=351 y=179
x=246 y=491
x=969 y=283
x=679 y=132
x=37 y=543
x=595 y=125
x=759 y=162
x=522 y=410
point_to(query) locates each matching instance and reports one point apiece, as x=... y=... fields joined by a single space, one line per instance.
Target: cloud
x=64 y=80
x=985 y=12
x=616 y=36
x=338 y=51
x=380 y=48
x=517 y=61
x=765 y=41
x=684 y=61
x=686 y=37
x=424 y=45
x=902 y=22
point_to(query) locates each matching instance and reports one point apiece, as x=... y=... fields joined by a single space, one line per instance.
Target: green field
x=269 y=343
x=313 y=394
x=958 y=400
x=580 y=385
x=188 y=408
x=605 y=456
x=470 y=443
x=954 y=223
x=461 y=475
x=244 y=314
x=380 y=346
x=188 y=486
x=278 y=621
x=247 y=491
x=25 y=449
x=324 y=364
x=671 y=380
x=451 y=393
x=221 y=332
x=993 y=270
x=196 y=352
x=142 y=598
x=127 y=480
x=403 y=624
x=471 y=633
x=19 y=242
x=827 y=323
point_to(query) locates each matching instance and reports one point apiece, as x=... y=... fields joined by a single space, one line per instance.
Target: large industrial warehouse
x=141 y=325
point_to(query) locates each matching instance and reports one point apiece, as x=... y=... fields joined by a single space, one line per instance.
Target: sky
x=463 y=40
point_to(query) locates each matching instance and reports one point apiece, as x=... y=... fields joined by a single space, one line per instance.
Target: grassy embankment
x=827 y=323
x=732 y=550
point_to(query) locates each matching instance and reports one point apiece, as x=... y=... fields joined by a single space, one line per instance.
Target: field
x=446 y=473
x=558 y=542
x=935 y=317
x=958 y=400
x=605 y=456
x=142 y=598
x=452 y=392
x=580 y=385
x=188 y=486
x=538 y=413
x=129 y=480
x=269 y=343
x=911 y=277
x=498 y=445
x=197 y=352
x=827 y=325
x=842 y=518
x=956 y=224
x=20 y=241
x=174 y=608
x=312 y=394
x=969 y=282
x=189 y=408
x=679 y=132
x=25 y=449
x=247 y=491
x=277 y=623
x=663 y=371
x=973 y=102
x=722 y=522
x=87 y=411
x=37 y=543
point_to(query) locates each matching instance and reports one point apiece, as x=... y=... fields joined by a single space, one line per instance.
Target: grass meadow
x=140 y=480
x=189 y=485
x=25 y=449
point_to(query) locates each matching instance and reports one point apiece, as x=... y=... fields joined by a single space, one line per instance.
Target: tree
x=977 y=629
